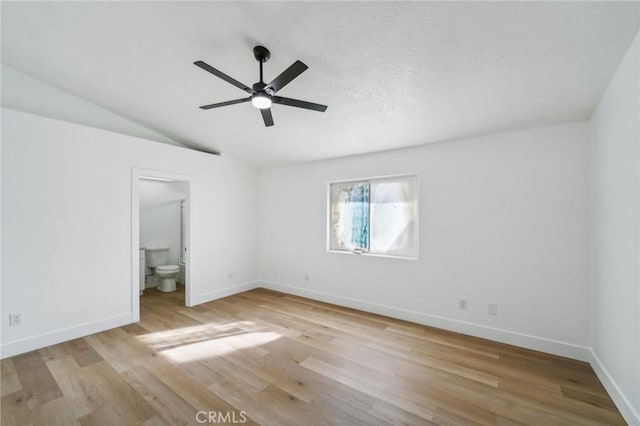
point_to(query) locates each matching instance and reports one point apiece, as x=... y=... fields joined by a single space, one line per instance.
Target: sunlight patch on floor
x=205 y=341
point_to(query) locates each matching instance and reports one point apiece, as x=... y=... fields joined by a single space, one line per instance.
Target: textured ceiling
x=393 y=74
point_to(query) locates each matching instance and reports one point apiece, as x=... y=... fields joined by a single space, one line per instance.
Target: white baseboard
x=223 y=292
x=20 y=346
x=622 y=402
x=38 y=341
x=31 y=343
x=555 y=347
x=541 y=344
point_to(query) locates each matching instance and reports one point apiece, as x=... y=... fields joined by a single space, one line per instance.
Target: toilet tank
x=157 y=256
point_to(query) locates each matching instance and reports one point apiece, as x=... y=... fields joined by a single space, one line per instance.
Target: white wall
x=66 y=223
x=160 y=215
x=615 y=131
x=22 y=92
x=502 y=219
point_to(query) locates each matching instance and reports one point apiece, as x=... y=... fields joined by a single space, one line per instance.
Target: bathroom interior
x=163 y=243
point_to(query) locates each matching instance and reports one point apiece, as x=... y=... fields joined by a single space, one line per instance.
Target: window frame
x=371 y=180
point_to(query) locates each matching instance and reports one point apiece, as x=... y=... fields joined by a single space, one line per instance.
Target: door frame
x=136 y=174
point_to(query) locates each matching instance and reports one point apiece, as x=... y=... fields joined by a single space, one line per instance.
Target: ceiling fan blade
x=299 y=104
x=266 y=116
x=221 y=104
x=223 y=76
x=287 y=75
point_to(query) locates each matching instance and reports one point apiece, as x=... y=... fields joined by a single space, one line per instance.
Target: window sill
x=372 y=254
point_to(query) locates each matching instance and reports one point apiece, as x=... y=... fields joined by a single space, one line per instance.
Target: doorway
x=163 y=199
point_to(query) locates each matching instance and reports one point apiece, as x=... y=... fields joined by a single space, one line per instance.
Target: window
x=374 y=216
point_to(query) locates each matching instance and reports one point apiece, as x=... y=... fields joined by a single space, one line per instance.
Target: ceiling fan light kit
x=263 y=94
x=260 y=101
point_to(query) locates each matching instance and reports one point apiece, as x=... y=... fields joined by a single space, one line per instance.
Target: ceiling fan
x=263 y=95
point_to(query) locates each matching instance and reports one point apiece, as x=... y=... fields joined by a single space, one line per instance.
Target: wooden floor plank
x=9 y=382
x=15 y=409
x=57 y=412
x=126 y=404
x=79 y=390
x=35 y=377
x=167 y=403
x=82 y=352
x=285 y=360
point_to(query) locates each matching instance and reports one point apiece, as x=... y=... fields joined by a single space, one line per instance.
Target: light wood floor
x=284 y=360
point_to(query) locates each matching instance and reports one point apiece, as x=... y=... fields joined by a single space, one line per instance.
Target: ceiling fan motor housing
x=262 y=87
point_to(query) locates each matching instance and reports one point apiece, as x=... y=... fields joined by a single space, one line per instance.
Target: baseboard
x=223 y=292
x=541 y=344
x=28 y=344
x=20 y=346
x=622 y=402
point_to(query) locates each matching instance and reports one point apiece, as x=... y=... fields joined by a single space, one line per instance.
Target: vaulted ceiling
x=394 y=74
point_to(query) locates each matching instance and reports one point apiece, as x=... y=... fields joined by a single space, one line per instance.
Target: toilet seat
x=168 y=269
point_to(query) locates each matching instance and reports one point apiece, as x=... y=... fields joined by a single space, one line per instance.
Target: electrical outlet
x=493 y=309
x=275 y=273
x=306 y=277
x=462 y=304
x=232 y=275
x=15 y=319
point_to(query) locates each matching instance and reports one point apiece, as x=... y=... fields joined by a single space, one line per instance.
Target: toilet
x=167 y=275
x=157 y=257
